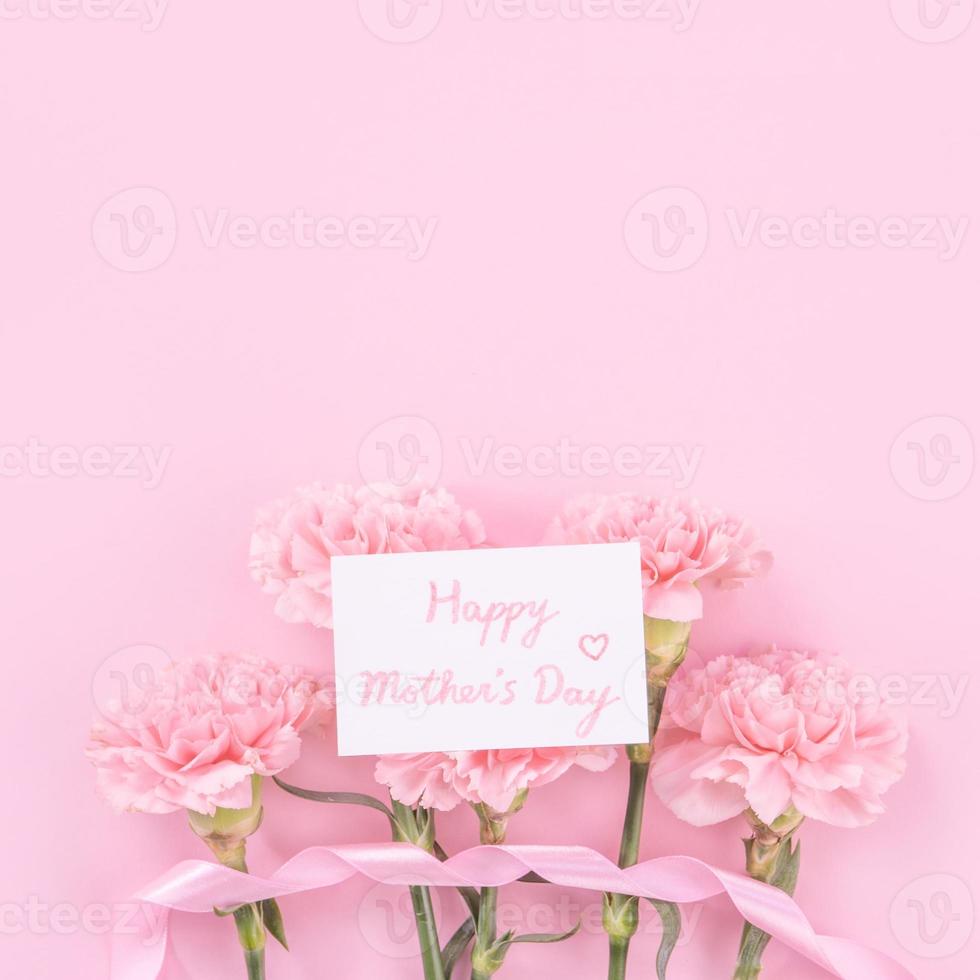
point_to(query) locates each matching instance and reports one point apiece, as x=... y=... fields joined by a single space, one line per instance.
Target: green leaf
x=472 y=899
x=272 y=917
x=456 y=946
x=670 y=920
x=545 y=937
x=357 y=799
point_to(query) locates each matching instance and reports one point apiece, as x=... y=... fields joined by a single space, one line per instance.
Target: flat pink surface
x=820 y=300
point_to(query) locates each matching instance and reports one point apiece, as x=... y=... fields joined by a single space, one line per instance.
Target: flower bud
x=665 y=643
x=225 y=830
x=493 y=824
x=487 y=961
x=666 y=646
x=620 y=916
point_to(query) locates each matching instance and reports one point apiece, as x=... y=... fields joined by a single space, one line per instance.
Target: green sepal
x=490 y=960
x=223 y=913
x=251 y=931
x=272 y=917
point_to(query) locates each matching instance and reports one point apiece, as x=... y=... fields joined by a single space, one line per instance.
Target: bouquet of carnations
x=777 y=737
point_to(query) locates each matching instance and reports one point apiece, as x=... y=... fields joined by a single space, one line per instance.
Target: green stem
x=248 y=919
x=225 y=832
x=769 y=857
x=485 y=964
x=750 y=950
x=629 y=848
x=665 y=644
x=621 y=913
x=408 y=829
x=747 y=971
x=761 y=864
x=428 y=937
x=254 y=958
x=618 y=951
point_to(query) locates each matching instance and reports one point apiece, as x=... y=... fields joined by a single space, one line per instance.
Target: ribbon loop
x=199 y=886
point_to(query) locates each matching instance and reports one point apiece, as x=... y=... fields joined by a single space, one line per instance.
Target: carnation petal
x=783 y=728
x=698 y=801
x=195 y=744
x=768 y=787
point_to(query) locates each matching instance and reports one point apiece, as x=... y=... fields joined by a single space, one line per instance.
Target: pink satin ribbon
x=199 y=886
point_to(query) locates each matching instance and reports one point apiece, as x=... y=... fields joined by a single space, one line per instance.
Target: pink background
x=528 y=320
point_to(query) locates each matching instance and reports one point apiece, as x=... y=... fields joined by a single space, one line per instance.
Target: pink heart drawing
x=593 y=645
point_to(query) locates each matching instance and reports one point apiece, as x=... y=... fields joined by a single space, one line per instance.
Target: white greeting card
x=489 y=649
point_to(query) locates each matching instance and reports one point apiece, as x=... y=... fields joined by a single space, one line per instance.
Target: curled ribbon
x=199 y=886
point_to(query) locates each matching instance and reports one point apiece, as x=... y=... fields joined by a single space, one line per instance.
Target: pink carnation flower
x=496 y=776
x=746 y=555
x=295 y=538
x=424 y=779
x=773 y=731
x=442 y=780
x=680 y=544
x=200 y=735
